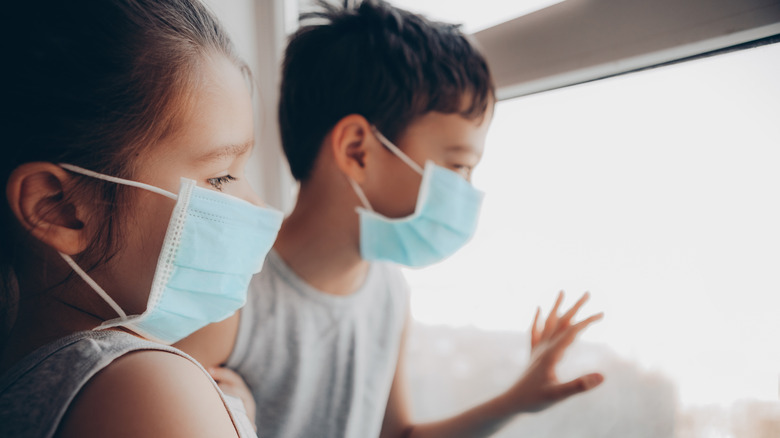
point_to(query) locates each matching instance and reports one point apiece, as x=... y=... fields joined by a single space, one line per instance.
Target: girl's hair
x=93 y=83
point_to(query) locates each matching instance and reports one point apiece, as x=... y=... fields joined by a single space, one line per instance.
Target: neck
x=39 y=322
x=320 y=240
x=49 y=310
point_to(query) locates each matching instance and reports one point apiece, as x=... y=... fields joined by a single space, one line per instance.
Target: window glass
x=658 y=192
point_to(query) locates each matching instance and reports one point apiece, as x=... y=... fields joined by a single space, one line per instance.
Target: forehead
x=437 y=131
x=221 y=110
x=216 y=109
x=216 y=121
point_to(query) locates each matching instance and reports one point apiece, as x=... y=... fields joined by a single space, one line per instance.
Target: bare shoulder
x=148 y=393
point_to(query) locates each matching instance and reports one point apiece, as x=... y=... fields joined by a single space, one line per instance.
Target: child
x=127 y=125
x=387 y=112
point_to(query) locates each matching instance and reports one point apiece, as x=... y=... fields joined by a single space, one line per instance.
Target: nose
x=255 y=199
x=249 y=195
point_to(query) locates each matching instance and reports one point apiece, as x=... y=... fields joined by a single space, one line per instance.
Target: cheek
x=150 y=220
x=143 y=234
x=395 y=194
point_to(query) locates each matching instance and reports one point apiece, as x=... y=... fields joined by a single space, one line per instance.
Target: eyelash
x=463 y=168
x=220 y=180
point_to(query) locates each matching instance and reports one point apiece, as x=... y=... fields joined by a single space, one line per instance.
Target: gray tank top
x=320 y=365
x=36 y=392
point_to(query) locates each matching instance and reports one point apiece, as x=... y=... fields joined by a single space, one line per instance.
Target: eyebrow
x=457 y=148
x=227 y=151
x=460 y=148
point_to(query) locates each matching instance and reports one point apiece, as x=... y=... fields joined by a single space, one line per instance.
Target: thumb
x=576 y=386
x=218 y=373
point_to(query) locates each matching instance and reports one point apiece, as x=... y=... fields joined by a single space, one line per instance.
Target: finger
x=576 y=386
x=565 y=319
x=552 y=319
x=586 y=322
x=224 y=374
x=566 y=337
x=535 y=335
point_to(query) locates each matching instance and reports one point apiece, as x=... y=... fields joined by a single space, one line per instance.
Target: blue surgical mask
x=444 y=218
x=214 y=244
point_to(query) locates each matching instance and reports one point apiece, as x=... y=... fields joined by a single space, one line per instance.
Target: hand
x=539 y=387
x=232 y=384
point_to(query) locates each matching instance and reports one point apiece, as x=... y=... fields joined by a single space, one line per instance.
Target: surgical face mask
x=444 y=219
x=213 y=245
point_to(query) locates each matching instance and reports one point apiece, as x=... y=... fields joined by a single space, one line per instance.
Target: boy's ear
x=350 y=144
x=37 y=193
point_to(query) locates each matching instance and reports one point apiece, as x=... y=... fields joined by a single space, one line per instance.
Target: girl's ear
x=38 y=194
x=351 y=142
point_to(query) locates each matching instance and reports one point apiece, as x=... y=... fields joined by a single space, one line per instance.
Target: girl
x=127 y=127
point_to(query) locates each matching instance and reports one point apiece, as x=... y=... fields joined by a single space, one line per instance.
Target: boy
x=383 y=110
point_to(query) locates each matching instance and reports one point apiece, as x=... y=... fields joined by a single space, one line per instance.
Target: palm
x=539 y=386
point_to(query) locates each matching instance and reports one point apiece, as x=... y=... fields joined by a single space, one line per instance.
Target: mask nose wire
x=397 y=151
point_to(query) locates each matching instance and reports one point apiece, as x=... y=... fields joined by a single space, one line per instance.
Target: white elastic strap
x=114 y=179
x=360 y=194
x=394 y=149
x=94 y=285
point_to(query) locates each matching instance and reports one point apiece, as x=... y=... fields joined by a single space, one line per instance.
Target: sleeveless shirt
x=320 y=365
x=37 y=391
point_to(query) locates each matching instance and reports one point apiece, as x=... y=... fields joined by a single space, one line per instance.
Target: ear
x=38 y=196
x=351 y=142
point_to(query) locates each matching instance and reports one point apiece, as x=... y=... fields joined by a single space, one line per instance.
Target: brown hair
x=93 y=83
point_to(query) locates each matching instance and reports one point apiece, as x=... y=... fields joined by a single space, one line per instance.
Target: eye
x=463 y=170
x=219 y=181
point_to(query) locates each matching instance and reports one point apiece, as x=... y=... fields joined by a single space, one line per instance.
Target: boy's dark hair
x=387 y=64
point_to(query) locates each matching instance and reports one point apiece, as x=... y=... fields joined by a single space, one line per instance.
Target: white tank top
x=320 y=365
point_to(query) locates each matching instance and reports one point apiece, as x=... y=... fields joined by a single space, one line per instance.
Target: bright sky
x=656 y=191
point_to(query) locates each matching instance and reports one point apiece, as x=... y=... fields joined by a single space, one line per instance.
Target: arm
x=537 y=389
x=479 y=421
x=148 y=393
x=211 y=346
x=396 y=422
x=232 y=384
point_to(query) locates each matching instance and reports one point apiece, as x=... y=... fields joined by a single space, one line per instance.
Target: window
x=656 y=191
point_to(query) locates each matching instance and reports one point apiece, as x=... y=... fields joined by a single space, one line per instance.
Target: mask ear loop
x=397 y=151
x=69 y=260
x=84 y=276
x=360 y=194
x=116 y=180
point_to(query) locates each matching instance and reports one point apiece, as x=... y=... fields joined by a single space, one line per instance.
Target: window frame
x=583 y=40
